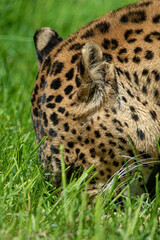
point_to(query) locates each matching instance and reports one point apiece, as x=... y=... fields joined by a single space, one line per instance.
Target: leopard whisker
x=126 y=169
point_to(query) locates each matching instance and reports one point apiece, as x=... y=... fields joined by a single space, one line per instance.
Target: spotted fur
x=98 y=93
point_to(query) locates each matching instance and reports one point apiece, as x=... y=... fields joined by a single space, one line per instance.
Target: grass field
x=29 y=207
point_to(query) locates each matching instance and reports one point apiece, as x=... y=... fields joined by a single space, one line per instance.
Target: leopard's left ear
x=98 y=80
x=45 y=39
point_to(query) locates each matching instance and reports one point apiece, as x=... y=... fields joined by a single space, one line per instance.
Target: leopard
x=97 y=94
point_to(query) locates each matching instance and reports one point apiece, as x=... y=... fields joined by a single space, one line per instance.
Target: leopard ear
x=45 y=39
x=98 y=80
x=91 y=54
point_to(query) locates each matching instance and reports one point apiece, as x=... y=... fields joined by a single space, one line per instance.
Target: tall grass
x=29 y=206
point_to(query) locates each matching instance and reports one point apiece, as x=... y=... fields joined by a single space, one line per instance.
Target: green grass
x=29 y=207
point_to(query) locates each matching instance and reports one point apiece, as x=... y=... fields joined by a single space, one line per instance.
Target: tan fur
x=99 y=94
